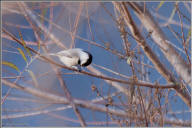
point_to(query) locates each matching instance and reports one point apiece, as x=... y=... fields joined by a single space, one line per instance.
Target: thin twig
x=183 y=37
x=150 y=53
x=82 y=103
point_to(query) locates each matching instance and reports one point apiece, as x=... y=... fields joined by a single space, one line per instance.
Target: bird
x=75 y=58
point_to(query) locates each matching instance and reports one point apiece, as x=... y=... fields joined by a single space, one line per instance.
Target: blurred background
x=97 y=27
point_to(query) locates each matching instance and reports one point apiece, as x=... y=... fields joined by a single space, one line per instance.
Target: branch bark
x=181 y=67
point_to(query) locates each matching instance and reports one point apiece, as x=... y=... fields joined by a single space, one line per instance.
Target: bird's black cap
x=88 y=61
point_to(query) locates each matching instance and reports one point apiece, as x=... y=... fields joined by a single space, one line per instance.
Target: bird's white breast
x=69 y=61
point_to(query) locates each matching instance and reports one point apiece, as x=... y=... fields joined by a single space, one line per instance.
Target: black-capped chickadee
x=74 y=58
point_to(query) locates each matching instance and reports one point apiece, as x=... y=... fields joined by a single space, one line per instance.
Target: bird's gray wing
x=70 y=53
x=64 y=53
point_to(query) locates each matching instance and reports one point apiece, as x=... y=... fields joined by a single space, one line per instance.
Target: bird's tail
x=49 y=54
x=52 y=54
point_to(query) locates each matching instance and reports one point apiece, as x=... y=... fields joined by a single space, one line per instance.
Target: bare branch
x=181 y=67
x=28 y=12
x=61 y=100
x=90 y=74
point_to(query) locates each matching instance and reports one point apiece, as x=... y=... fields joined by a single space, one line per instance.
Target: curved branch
x=90 y=74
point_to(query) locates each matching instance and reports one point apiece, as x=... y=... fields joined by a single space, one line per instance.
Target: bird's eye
x=79 y=62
